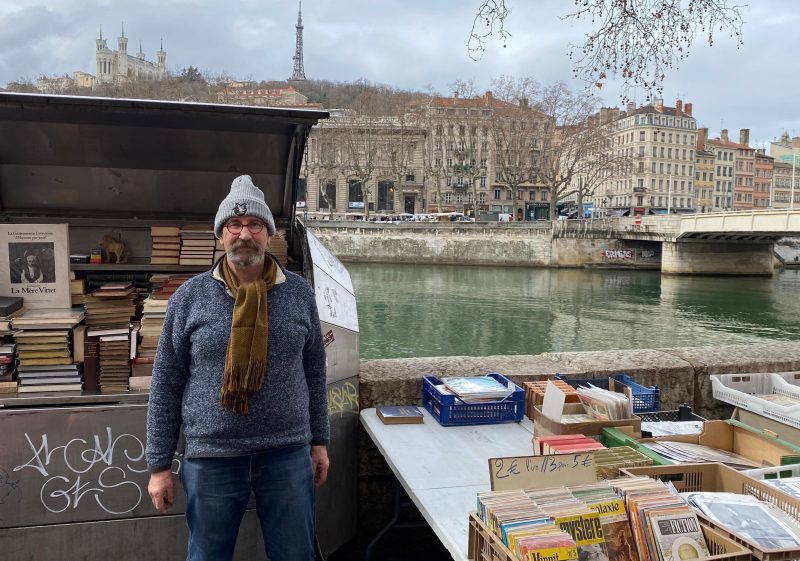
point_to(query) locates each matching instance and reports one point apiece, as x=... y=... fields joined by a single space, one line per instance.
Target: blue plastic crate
x=451 y=410
x=645 y=400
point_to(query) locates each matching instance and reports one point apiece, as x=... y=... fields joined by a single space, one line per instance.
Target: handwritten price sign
x=540 y=472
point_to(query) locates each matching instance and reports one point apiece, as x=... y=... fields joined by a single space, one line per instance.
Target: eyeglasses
x=235 y=227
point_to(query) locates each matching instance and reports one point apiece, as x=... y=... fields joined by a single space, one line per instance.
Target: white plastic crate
x=778 y=472
x=742 y=390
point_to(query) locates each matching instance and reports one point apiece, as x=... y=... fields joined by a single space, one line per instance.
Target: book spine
x=91 y=363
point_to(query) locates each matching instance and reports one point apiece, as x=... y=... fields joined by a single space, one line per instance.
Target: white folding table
x=443 y=468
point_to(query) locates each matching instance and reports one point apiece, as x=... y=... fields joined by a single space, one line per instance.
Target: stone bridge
x=737 y=243
x=715 y=243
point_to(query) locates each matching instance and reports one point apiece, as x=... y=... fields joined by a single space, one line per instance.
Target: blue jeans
x=218 y=490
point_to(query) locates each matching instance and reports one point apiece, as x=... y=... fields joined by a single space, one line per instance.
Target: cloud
x=407 y=44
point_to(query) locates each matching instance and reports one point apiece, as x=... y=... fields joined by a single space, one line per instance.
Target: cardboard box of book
x=731 y=436
x=543 y=425
x=753 y=513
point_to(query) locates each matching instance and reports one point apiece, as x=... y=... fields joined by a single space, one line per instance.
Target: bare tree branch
x=489 y=20
x=639 y=41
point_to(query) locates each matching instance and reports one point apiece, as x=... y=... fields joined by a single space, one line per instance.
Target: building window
x=355 y=194
x=483 y=181
x=482 y=198
x=497 y=194
x=327 y=195
x=483 y=164
x=447 y=196
x=386 y=195
x=328 y=153
x=545 y=194
x=449 y=162
x=460 y=181
x=449 y=180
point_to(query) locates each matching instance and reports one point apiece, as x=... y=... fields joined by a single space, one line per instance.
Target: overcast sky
x=408 y=44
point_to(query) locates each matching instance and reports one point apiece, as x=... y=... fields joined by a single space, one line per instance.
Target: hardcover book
x=406 y=414
x=34 y=264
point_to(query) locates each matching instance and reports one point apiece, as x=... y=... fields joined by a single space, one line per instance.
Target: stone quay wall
x=682 y=375
x=521 y=244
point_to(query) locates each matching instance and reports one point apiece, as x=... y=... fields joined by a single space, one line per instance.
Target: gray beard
x=244 y=261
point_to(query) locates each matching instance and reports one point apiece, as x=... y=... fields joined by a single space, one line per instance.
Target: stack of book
x=107 y=346
x=197 y=245
x=605 y=405
x=664 y=526
x=154 y=309
x=115 y=367
x=45 y=361
x=689 y=453
x=110 y=306
x=166 y=245
x=564 y=444
x=475 y=389
x=48 y=318
x=50 y=378
x=77 y=291
x=10 y=307
x=610 y=460
x=747 y=517
x=8 y=361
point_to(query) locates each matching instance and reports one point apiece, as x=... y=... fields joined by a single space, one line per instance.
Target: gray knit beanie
x=245 y=199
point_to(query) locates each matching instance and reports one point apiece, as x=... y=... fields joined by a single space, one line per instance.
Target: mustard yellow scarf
x=246 y=358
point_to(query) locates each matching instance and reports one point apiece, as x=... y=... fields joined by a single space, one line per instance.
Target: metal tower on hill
x=299 y=73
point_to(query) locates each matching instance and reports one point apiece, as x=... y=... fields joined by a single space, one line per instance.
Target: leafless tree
x=434 y=168
x=519 y=134
x=638 y=41
x=575 y=153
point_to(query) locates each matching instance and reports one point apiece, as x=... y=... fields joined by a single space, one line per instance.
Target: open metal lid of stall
x=88 y=157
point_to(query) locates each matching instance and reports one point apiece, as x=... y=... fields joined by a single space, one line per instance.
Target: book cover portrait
x=34 y=264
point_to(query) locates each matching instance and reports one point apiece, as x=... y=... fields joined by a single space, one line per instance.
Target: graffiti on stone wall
x=617 y=254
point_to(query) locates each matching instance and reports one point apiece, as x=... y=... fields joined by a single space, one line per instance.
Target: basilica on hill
x=114 y=66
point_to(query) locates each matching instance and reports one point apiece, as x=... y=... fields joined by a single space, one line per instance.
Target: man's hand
x=162 y=490
x=319 y=464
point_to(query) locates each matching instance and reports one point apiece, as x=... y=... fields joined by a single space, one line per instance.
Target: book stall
x=108 y=207
x=607 y=475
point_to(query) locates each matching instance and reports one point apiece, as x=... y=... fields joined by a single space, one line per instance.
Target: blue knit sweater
x=290 y=408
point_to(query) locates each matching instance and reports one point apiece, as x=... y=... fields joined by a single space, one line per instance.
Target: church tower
x=122 y=54
x=161 y=61
x=103 y=59
x=298 y=74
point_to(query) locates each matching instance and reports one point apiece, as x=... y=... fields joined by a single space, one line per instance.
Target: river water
x=421 y=310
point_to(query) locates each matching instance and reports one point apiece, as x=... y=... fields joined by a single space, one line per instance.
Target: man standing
x=241 y=364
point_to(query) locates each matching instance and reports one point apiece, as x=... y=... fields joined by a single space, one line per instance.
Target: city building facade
x=782 y=178
x=359 y=166
x=251 y=94
x=704 y=178
x=786 y=151
x=724 y=156
x=762 y=180
x=480 y=156
x=744 y=175
x=660 y=144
